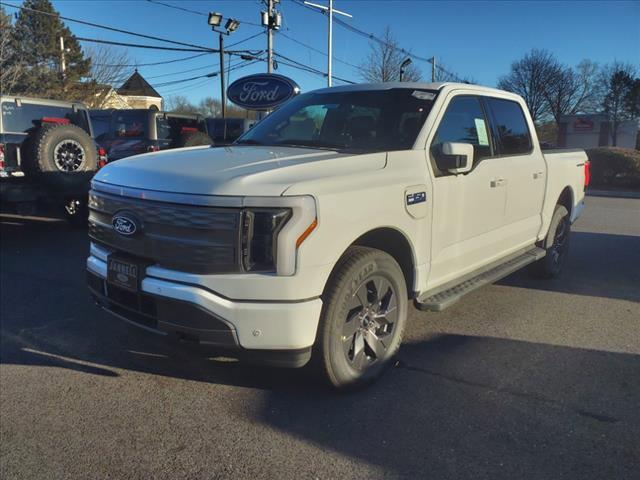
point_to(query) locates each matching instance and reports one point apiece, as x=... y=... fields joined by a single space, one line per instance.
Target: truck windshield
x=378 y=120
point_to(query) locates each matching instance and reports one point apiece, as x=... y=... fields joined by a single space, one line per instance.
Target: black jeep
x=123 y=133
x=47 y=155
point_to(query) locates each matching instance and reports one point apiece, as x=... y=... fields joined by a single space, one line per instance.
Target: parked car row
x=50 y=149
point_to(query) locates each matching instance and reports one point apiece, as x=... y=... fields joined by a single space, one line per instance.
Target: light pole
x=329 y=11
x=403 y=66
x=215 y=20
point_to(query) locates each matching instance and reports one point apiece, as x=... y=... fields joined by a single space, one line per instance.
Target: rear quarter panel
x=565 y=169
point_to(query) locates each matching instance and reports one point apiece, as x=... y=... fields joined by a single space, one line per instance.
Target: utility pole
x=434 y=73
x=63 y=65
x=329 y=11
x=223 y=92
x=272 y=20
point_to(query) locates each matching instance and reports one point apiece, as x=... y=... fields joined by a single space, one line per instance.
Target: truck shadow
x=453 y=406
x=599 y=265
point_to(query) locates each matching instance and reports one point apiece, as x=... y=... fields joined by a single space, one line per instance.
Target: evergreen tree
x=36 y=43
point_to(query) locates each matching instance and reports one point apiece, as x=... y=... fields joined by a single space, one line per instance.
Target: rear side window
x=130 y=124
x=170 y=128
x=510 y=125
x=463 y=122
x=101 y=125
x=28 y=116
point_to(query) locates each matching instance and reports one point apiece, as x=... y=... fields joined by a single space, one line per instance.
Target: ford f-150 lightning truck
x=310 y=236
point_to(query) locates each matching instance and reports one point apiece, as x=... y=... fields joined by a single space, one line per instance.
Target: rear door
x=525 y=173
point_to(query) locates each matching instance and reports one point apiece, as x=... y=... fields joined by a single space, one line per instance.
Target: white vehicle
x=315 y=230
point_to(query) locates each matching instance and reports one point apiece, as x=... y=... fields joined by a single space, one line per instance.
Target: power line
x=301 y=66
x=380 y=41
x=317 y=50
x=150 y=64
x=195 y=12
x=112 y=29
x=137 y=45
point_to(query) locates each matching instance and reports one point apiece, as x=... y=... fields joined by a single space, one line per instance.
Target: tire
x=64 y=156
x=355 y=340
x=193 y=139
x=556 y=245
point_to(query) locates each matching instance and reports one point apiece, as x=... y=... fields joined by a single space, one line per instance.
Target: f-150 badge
x=418 y=197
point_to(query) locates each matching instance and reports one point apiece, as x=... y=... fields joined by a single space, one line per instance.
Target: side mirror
x=455 y=158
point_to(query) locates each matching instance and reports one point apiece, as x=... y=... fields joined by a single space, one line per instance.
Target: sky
x=477 y=39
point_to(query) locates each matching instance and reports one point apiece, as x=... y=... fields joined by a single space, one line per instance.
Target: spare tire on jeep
x=192 y=139
x=64 y=156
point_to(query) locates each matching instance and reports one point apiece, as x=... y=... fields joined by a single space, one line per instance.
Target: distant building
x=138 y=93
x=589 y=131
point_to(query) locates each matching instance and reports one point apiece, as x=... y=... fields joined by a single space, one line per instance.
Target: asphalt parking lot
x=523 y=379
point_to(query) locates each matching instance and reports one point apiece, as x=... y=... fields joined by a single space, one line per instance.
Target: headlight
x=273 y=231
x=260 y=229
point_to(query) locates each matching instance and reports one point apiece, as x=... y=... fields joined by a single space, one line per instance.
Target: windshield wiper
x=248 y=141
x=304 y=144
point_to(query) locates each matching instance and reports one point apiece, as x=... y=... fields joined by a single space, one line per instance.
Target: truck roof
x=415 y=85
x=42 y=101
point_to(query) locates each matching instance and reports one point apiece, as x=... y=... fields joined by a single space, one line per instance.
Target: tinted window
x=463 y=122
x=170 y=128
x=510 y=127
x=29 y=115
x=359 y=120
x=101 y=124
x=235 y=128
x=130 y=124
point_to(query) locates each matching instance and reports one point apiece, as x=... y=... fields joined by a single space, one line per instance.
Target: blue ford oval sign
x=262 y=91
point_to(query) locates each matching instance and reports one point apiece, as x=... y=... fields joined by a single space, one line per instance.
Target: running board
x=446 y=295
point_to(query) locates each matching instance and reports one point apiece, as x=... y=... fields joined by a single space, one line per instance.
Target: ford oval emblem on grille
x=124 y=225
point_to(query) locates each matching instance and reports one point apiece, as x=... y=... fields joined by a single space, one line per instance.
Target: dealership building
x=590 y=131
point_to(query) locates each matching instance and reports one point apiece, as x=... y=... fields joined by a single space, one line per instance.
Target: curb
x=613 y=193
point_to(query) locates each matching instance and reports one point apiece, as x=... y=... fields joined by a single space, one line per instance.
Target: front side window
x=511 y=127
x=463 y=122
x=356 y=121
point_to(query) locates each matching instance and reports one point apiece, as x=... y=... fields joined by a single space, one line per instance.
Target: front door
x=468 y=209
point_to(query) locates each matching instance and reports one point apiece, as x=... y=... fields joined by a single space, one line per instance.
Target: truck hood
x=234 y=170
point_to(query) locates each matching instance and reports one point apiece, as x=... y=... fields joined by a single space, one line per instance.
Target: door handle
x=538 y=175
x=498 y=182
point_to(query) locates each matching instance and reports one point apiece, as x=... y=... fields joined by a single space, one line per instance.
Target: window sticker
x=420 y=95
x=481 y=129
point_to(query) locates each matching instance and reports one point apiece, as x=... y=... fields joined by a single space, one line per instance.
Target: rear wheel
x=363 y=317
x=64 y=156
x=556 y=245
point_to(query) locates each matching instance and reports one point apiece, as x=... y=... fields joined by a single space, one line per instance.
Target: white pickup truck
x=311 y=234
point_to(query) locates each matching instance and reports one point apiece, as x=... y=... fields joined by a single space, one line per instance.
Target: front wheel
x=363 y=317
x=556 y=245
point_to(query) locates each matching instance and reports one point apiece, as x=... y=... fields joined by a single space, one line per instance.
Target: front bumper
x=279 y=333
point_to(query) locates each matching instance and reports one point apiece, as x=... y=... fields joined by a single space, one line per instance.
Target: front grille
x=193 y=239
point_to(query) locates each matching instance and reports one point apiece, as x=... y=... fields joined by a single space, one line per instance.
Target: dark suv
x=47 y=155
x=130 y=132
x=225 y=132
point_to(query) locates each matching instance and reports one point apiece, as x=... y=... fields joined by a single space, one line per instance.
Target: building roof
x=138 y=86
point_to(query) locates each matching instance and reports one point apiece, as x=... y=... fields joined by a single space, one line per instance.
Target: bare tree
x=180 y=104
x=110 y=67
x=529 y=78
x=569 y=90
x=384 y=60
